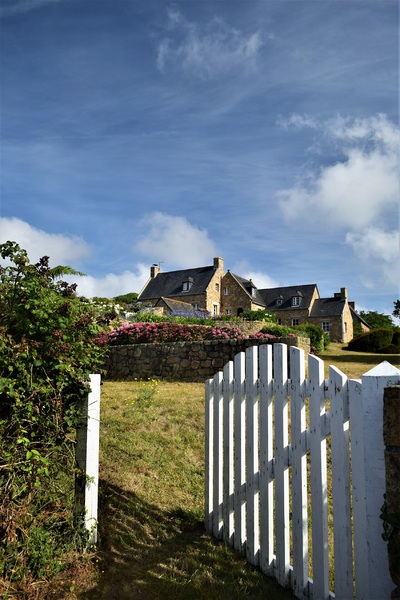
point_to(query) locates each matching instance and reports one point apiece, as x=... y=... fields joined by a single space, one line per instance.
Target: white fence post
x=372 y=565
x=87 y=457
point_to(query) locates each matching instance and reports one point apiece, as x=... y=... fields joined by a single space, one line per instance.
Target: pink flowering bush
x=157 y=333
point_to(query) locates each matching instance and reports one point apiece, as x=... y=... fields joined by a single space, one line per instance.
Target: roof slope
x=173 y=305
x=248 y=286
x=170 y=284
x=327 y=307
x=270 y=295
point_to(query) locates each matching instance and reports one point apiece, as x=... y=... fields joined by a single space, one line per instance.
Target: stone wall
x=180 y=361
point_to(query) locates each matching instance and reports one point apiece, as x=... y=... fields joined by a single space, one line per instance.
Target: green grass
x=152 y=542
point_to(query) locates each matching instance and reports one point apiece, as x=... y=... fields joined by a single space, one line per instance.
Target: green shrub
x=258 y=315
x=46 y=355
x=373 y=341
x=318 y=338
x=390 y=349
x=278 y=330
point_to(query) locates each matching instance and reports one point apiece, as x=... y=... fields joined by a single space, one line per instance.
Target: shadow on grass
x=367 y=359
x=150 y=554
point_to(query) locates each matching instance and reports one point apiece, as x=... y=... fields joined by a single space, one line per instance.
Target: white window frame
x=217 y=287
x=226 y=291
x=295 y=322
x=325 y=326
x=228 y=311
x=296 y=301
x=215 y=310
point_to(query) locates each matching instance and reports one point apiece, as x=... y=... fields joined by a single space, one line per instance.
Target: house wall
x=213 y=292
x=340 y=326
x=236 y=298
x=180 y=361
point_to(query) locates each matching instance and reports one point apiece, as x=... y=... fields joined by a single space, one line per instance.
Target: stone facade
x=180 y=361
x=234 y=298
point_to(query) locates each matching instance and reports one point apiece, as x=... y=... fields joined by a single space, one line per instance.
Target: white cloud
x=260 y=280
x=207 y=53
x=173 y=240
x=381 y=247
x=62 y=249
x=297 y=121
x=112 y=285
x=12 y=7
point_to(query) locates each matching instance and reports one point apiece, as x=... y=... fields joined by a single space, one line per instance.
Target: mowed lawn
x=152 y=542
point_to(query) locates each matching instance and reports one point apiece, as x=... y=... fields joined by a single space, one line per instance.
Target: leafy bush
x=258 y=315
x=373 y=341
x=46 y=355
x=389 y=349
x=278 y=330
x=318 y=338
x=153 y=333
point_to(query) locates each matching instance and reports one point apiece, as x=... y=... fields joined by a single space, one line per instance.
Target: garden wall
x=180 y=361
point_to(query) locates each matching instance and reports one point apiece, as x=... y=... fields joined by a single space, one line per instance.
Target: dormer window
x=187 y=284
x=279 y=300
x=296 y=300
x=253 y=292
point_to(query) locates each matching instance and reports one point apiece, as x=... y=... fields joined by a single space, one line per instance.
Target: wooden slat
x=239 y=453
x=299 y=471
x=252 y=490
x=319 y=504
x=342 y=533
x=281 y=464
x=208 y=443
x=218 y=456
x=228 y=488
x=266 y=462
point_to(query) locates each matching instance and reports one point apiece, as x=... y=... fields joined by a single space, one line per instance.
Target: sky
x=136 y=132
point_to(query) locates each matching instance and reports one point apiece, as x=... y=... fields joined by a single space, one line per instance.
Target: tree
x=396 y=309
x=377 y=320
x=47 y=352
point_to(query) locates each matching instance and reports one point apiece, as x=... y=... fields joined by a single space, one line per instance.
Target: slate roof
x=327 y=307
x=170 y=283
x=270 y=295
x=173 y=305
x=247 y=285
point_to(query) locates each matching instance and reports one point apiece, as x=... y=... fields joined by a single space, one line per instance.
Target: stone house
x=294 y=305
x=210 y=288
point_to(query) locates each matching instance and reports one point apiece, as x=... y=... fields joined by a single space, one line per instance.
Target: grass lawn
x=152 y=542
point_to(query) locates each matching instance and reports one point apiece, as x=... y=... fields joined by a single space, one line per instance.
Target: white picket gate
x=290 y=457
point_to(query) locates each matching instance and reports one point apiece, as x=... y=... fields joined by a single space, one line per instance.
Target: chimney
x=154 y=271
x=344 y=293
x=218 y=263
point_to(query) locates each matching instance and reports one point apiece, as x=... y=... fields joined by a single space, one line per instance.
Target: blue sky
x=141 y=131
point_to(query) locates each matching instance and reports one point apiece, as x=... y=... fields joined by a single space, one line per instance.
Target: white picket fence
x=295 y=474
x=87 y=457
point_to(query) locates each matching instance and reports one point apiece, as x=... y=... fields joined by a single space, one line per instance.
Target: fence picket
x=281 y=464
x=319 y=485
x=218 y=456
x=228 y=459
x=209 y=455
x=252 y=467
x=267 y=560
x=239 y=453
x=299 y=471
x=342 y=532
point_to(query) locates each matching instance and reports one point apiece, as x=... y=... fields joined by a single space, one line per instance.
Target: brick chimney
x=154 y=271
x=219 y=263
x=344 y=293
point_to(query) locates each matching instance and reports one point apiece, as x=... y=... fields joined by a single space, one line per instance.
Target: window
x=228 y=311
x=296 y=301
x=325 y=326
x=279 y=301
x=215 y=310
x=195 y=306
x=217 y=287
x=253 y=292
x=295 y=322
x=226 y=291
x=279 y=321
x=187 y=284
